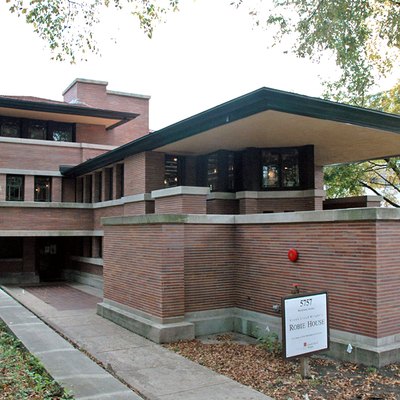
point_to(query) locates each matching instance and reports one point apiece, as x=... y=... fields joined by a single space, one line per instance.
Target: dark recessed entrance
x=50 y=256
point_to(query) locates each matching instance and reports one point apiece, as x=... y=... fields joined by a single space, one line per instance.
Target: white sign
x=305 y=324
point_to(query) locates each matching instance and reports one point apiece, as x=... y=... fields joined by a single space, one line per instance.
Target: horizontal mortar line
x=107 y=395
x=55 y=351
x=82 y=376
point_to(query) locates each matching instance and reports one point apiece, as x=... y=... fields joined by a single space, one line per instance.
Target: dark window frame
x=40 y=187
x=174 y=168
x=224 y=171
x=21 y=187
x=49 y=127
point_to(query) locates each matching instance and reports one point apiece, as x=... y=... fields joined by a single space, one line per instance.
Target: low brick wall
x=171 y=265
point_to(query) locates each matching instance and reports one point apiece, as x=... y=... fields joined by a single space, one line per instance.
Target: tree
x=382 y=177
x=67 y=25
x=363 y=36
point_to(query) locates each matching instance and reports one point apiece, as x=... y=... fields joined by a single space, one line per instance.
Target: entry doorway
x=50 y=256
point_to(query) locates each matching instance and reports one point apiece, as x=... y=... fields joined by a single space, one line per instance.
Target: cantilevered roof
x=44 y=109
x=271 y=118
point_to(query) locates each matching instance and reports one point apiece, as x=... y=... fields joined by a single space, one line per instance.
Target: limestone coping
x=57 y=144
x=180 y=190
x=50 y=233
x=354 y=214
x=281 y=194
x=88 y=260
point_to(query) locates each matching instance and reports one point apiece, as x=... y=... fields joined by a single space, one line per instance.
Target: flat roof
x=268 y=117
x=44 y=109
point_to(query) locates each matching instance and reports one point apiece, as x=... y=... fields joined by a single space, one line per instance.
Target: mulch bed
x=253 y=366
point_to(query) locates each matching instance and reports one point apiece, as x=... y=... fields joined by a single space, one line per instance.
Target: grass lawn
x=21 y=375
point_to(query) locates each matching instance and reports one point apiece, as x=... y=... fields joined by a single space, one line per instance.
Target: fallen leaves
x=269 y=374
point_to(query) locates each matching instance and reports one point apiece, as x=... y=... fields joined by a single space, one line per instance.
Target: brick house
x=188 y=228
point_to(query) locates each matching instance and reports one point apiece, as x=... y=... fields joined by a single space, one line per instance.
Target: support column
x=3 y=180
x=29 y=194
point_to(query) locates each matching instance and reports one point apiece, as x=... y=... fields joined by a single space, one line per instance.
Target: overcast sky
x=204 y=55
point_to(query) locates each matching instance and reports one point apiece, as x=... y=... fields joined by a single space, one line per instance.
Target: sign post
x=305 y=326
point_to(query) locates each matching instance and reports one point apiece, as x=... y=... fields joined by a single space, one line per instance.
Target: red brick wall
x=56 y=188
x=95 y=95
x=180 y=204
x=143 y=173
x=209 y=267
x=388 y=275
x=68 y=190
x=85 y=267
x=254 y=206
x=42 y=157
x=139 y=208
x=154 y=171
x=106 y=212
x=247 y=266
x=3 y=180
x=134 y=174
x=45 y=218
x=337 y=257
x=220 y=206
x=145 y=270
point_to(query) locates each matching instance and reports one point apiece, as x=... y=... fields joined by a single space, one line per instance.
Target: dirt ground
x=268 y=373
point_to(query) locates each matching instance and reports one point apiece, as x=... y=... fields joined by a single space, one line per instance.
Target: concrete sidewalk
x=71 y=368
x=153 y=371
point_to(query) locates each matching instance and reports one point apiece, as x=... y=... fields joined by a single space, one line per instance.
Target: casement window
x=10 y=127
x=15 y=188
x=173 y=170
x=60 y=132
x=280 y=169
x=43 y=188
x=37 y=129
x=221 y=170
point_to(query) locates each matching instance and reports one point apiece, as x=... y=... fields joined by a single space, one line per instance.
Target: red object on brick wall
x=293 y=255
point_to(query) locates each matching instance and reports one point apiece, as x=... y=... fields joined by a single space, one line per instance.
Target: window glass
x=60 y=132
x=212 y=171
x=290 y=169
x=37 y=130
x=280 y=169
x=42 y=188
x=15 y=188
x=171 y=177
x=231 y=172
x=270 y=170
x=10 y=128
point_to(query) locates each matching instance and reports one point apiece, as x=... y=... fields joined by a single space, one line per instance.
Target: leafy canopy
x=67 y=25
x=363 y=37
x=382 y=177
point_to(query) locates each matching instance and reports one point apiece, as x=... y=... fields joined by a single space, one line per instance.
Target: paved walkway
x=153 y=371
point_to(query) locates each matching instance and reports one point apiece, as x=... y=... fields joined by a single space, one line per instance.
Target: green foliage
x=363 y=37
x=382 y=177
x=269 y=341
x=22 y=376
x=67 y=25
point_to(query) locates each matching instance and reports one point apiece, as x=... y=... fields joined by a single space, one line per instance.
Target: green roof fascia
x=67 y=109
x=252 y=103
